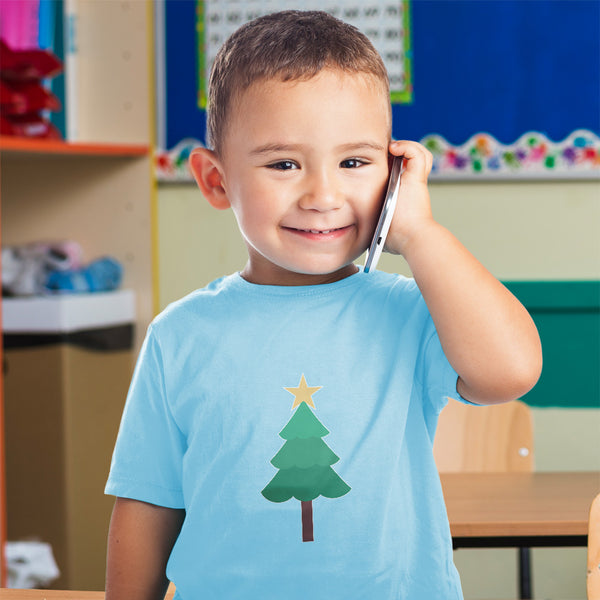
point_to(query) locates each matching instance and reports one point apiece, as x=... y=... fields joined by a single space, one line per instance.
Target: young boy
x=225 y=480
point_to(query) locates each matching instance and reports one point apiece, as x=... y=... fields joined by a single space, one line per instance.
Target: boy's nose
x=321 y=193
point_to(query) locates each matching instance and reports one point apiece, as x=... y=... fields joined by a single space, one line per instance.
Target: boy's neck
x=289 y=278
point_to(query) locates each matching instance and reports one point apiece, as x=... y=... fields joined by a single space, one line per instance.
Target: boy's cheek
x=371 y=225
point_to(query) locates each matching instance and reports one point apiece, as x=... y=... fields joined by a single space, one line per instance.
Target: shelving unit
x=97 y=190
x=26 y=146
x=100 y=197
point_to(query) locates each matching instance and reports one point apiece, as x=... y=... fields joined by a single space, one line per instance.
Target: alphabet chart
x=385 y=23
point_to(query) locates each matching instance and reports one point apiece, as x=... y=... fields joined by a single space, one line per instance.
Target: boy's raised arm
x=486 y=333
x=140 y=540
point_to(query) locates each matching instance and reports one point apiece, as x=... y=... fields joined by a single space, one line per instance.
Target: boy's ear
x=206 y=168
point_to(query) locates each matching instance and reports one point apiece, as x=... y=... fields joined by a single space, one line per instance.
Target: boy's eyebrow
x=267 y=148
x=366 y=145
x=351 y=146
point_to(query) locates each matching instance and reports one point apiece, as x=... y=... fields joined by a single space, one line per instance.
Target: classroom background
x=505 y=93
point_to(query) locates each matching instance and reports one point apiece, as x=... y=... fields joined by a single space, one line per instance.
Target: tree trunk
x=307 y=521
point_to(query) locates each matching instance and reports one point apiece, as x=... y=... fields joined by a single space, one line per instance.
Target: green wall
x=567 y=315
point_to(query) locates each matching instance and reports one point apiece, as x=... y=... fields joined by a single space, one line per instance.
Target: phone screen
x=387 y=213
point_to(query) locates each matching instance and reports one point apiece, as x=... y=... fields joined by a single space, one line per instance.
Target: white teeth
x=316 y=231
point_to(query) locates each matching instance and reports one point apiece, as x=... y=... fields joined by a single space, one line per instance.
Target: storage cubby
x=96 y=189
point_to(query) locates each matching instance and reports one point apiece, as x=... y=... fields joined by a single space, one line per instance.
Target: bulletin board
x=494 y=88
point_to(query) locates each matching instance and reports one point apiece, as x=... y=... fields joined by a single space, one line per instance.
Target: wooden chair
x=593 y=557
x=485 y=439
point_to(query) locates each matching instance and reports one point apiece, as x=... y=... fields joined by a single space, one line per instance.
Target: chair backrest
x=593 y=557
x=495 y=438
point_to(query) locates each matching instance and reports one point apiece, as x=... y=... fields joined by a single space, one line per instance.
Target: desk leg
x=525 y=592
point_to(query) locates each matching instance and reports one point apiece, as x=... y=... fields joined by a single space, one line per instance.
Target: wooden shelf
x=26 y=146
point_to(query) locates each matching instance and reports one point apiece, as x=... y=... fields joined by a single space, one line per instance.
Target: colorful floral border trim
x=532 y=156
x=172 y=165
x=482 y=157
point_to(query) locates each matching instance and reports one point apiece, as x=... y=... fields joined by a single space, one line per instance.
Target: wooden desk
x=6 y=594
x=485 y=510
x=519 y=509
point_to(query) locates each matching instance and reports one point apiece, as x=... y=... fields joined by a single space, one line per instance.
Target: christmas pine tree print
x=304 y=461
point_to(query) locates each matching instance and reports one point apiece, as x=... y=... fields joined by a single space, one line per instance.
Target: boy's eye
x=352 y=163
x=283 y=165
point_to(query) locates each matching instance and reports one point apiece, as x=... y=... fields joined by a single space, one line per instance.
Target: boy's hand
x=486 y=334
x=413 y=210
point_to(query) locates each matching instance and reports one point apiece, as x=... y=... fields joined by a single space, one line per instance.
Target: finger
x=429 y=156
x=418 y=159
x=396 y=146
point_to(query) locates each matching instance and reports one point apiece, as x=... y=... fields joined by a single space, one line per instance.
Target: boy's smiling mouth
x=319 y=233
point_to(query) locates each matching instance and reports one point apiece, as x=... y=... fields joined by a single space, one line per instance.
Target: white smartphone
x=387 y=213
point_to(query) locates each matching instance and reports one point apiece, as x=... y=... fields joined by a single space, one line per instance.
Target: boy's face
x=304 y=167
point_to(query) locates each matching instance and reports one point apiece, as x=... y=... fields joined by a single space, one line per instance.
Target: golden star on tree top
x=303 y=393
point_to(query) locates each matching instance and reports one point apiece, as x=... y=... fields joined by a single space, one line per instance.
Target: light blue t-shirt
x=276 y=414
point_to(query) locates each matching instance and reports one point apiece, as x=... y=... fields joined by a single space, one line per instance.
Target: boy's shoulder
x=384 y=280
x=198 y=301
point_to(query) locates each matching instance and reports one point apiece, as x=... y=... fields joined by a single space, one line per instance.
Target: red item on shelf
x=11 y=101
x=31 y=125
x=21 y=97
x=27 y=64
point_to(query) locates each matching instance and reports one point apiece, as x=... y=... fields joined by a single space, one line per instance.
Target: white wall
x=520 y=231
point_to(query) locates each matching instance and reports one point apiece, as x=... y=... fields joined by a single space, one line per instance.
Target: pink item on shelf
x=19 y=26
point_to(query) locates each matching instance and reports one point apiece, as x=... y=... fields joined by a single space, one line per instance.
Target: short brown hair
x=289 y=45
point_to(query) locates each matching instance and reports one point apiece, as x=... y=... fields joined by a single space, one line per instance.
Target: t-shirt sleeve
x=148 y=455
x=437 y=376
